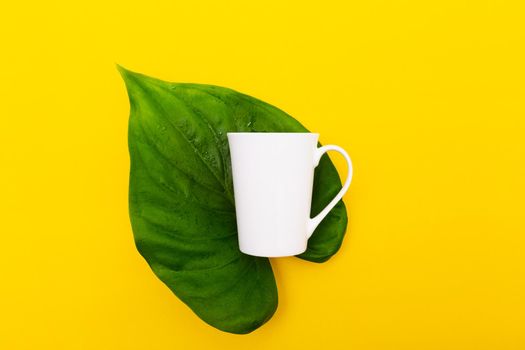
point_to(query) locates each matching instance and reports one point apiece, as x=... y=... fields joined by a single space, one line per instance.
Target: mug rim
x=271 y=133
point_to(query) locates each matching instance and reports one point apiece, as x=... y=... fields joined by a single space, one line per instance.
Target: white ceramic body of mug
x=273 y=177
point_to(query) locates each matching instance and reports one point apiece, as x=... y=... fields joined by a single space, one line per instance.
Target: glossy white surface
x=273 y=179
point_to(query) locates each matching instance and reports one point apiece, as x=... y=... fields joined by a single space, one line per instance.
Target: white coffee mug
x=273 y=177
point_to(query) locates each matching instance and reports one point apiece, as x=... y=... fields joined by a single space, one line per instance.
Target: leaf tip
x=125 y=73
x=132 y=80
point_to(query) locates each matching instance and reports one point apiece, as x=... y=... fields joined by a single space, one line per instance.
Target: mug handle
x=314 y=222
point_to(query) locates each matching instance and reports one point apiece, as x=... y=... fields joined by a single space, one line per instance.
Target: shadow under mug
x=273 y=177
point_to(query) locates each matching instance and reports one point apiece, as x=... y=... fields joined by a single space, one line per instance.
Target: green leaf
x=181 y=198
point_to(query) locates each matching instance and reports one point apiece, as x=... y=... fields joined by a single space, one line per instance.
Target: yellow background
x=427 y=97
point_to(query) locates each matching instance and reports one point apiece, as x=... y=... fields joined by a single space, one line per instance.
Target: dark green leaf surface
x=181 y=198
